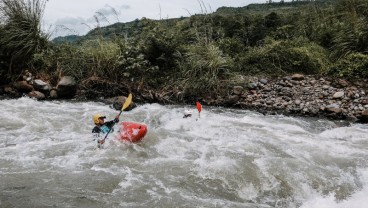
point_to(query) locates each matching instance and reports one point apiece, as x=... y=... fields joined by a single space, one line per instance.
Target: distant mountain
x=69 y=38
x=129 y=29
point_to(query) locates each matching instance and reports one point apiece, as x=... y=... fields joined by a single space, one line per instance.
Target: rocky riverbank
x=296 y=94
x=304 y=96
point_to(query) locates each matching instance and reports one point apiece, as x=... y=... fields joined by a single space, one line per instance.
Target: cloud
x=125 y=7
x=69 y=21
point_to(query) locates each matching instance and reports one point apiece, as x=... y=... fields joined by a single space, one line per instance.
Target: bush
x=354 y=65
x=202 y=68
x=21 y=36
x=101 y=59
x=288 y=56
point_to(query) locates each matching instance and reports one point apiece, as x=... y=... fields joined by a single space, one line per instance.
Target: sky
x=77 y=17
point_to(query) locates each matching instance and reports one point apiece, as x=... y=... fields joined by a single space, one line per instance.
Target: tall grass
x=352 y=35
x=21 y=35
x=202 y=68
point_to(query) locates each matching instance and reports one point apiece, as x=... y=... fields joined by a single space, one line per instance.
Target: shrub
x=202 y=68
x=287 y=56
x=21 y=35
x=354 y=65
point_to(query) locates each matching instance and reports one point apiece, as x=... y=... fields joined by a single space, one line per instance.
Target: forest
x=202 y=54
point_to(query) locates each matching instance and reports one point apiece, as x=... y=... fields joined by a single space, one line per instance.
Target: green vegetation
x=198 y=55
x=20 y=34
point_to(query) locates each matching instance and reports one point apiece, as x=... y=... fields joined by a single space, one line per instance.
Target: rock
x=8 y=89
x=41 y=85
x=23 y=86
x=338 y=95
x=238 y=90
x=325 y=87
x=253 y=92
x=365 y=113
x=297 y=77
x=342 y=83
x=252 y=86
x=53 y=94
x=67 y=87
x=117 y=103
x=36 y=94
x=263 y=81
x=11 y=91
x=333 y=110
x=286 y=78
x=364 y=116
x=232 y=99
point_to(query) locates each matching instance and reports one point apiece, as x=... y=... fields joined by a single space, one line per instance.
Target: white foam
x=357 y=200
x=243 y=156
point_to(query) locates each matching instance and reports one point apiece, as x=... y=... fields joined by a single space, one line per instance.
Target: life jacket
x=104 y=129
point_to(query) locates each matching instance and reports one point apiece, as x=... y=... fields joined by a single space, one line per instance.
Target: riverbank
x=302 y=95
x=293 y=95
x=296 y=95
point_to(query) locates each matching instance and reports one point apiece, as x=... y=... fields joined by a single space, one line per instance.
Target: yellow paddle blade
x=127 y=102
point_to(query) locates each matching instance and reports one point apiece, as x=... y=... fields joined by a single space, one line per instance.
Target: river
x=224 y=158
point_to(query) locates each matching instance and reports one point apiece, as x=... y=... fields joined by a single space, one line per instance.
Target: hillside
x=132 y=28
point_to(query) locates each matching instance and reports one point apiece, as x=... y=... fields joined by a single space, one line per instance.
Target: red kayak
x=132 y=132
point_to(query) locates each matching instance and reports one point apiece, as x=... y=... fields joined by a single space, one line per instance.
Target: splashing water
x=225 y=158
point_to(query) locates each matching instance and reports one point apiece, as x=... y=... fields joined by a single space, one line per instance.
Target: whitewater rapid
x=224 y=158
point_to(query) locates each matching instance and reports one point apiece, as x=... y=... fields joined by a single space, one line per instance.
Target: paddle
x=199 y=108
x=125 y=105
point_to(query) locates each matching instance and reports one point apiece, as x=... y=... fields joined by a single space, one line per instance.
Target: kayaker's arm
x=96 y=130
x=111 y=123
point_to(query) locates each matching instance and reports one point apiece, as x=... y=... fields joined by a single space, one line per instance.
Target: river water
x=224 y=158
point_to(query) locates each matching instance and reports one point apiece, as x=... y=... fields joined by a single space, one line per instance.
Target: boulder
x=338 y=95
x=41 y=85
x=263 y=81
x=364 y=116
x=67 y=87
x=36 y=94
x=53 y=94
x=23 y=86
x=252 y=86
x=342 y=83
x=117 y=103
x=297 y=77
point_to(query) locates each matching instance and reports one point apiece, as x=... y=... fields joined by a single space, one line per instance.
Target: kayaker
x=102 y=126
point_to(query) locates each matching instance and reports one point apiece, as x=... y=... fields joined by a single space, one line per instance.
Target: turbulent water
x=224 y=158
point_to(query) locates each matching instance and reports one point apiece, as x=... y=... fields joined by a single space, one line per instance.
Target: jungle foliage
x=202 y=53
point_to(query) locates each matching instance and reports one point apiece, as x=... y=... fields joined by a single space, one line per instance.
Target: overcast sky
x=76 y=17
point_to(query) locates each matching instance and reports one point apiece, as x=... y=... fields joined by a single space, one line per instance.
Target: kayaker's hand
x=101 y=141
x=116 y=119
